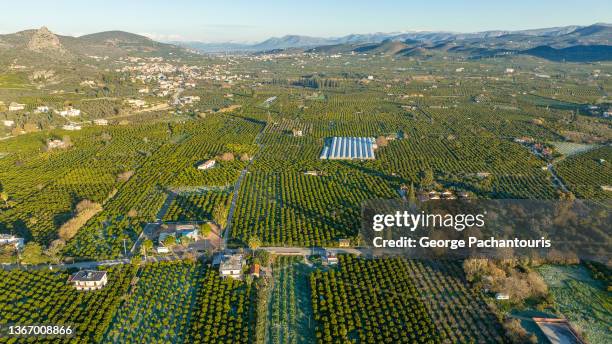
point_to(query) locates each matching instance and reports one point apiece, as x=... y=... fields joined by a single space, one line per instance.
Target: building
x=71 y=127
x=502 y=296
x=136 y=102
x=344 y=243
x=162 y=249
x=270 y=100
x=42 y=109
x=459 y=70
x=207 y=165
x=89 y=280
x=330 y=258
x=509 y=70
x=100 y=121
x=8 y=239
x=298 y=132
x=349 y=148
x=16 y=106
x=52 y=144
x=231 y=266
x=70 y=112
x=8 y=123
x=255 y=270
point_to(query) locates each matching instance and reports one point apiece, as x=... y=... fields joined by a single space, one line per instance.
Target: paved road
x=230 y=214
x=281 y=251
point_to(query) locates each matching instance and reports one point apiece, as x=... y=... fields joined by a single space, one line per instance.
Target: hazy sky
x=255 y=20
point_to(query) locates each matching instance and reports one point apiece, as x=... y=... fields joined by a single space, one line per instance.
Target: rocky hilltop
x=44 y=40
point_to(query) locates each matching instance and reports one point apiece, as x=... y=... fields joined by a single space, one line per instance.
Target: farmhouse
x=270 y=100
x=207 y=165
x=52 y=144
x=502 y=296
x=162 y=249
x=7 y=239
x=349 y=148
x=70 y=112
x=42 y=109
x=16 y=106
x=136 y=103
x=89 y=280
x=8 y=123
x=330 y=258
x=231 y=266
x=71 y=127
x=298 y=132
x=344 y=243
x=100 y=121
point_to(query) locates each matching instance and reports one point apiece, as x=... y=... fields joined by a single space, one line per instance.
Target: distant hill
x=42 y=45
x=578 y=53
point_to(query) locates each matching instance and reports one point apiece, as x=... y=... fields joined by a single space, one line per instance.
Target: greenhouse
x=349 y=148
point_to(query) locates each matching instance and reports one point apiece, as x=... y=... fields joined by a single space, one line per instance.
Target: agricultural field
x=45 y=297
x=290 y=318
x=158 y=307
x=401 y=301
x=584 y=301
x=224 y=311
x=588 y=173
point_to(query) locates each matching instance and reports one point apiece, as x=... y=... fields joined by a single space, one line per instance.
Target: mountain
x=43 y=40
x=556 y=37
x=581 y=53
x=43 y=46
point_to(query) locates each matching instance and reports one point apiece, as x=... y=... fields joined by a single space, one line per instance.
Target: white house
x=16 y=106
x=51 y=144
x=330 y=258
x=162 y=249
x=70 y=112
x=8 y=123
x=136 y=102
x=502 y=296
x=8 y=239
x=71 y=127
x=89 y=280
x=42 y=109
x=100 y=121
x=509 y=70
x=459 y=70
x=231 y=266
x=207 y=165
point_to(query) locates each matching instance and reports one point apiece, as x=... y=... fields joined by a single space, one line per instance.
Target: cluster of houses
x=537 y=148
x=446 y=194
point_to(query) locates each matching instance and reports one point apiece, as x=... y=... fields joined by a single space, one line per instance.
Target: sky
x=256 y=20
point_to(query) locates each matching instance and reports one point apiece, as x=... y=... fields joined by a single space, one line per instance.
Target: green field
x=582 y=300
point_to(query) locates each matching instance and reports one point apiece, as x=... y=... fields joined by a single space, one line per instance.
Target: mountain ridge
x=431 y=37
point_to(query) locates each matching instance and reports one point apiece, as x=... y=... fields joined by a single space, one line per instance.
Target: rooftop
x=231 y=262
x=88 y=275
x=348 y=148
